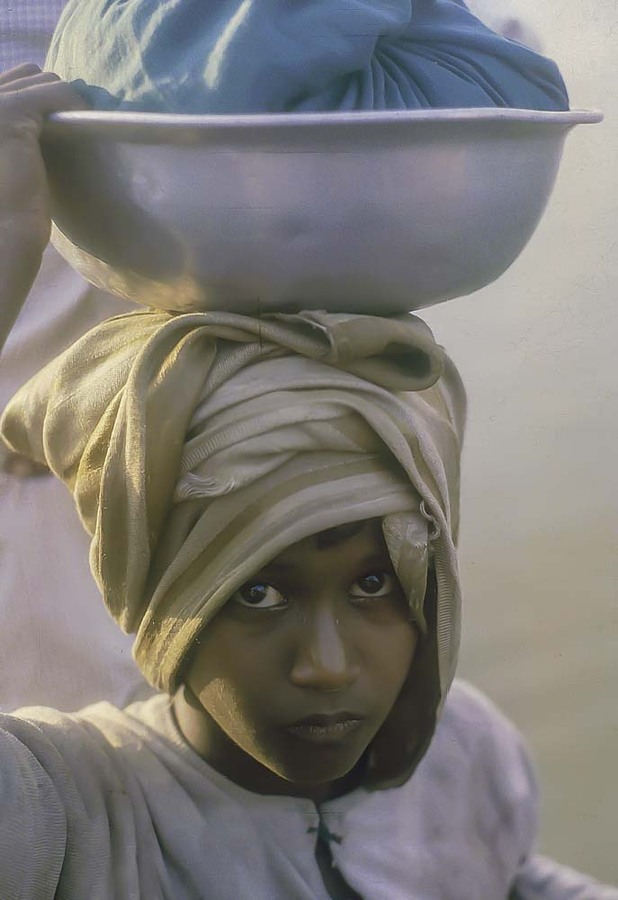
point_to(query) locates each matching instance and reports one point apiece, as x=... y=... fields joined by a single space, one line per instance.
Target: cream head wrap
x=200 y=446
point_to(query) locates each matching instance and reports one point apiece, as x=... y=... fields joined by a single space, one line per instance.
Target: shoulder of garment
x=65 y=788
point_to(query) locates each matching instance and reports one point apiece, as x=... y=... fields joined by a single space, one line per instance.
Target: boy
x=276 y=521
x=70 y=309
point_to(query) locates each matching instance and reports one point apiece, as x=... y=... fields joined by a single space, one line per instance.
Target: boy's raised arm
x=26 y=96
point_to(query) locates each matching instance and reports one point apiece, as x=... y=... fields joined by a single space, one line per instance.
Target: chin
x=320 y=767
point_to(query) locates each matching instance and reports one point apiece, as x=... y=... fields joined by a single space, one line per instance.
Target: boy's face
x=297 y=673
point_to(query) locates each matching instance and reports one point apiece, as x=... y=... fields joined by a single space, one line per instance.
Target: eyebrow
x=277 y=567
x=365 y=562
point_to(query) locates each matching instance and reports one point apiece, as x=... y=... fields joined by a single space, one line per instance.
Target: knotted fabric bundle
x=200 y=446
x=244 y=56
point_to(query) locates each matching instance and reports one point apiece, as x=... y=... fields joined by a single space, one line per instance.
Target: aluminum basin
x=377 y=212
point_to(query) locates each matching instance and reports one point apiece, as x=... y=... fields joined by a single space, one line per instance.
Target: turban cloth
x=199 y=446
x=243 y=56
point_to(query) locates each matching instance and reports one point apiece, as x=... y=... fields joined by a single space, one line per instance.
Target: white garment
x=113 y=805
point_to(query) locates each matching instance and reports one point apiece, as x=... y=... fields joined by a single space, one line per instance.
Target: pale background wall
x=539 y=354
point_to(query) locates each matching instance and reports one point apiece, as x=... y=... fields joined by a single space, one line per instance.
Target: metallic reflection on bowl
x=377 y=212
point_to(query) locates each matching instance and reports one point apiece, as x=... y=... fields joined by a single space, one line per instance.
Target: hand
x=27 y=95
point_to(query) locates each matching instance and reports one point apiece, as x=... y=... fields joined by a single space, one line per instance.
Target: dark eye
x=259 y=595
x=374 y=584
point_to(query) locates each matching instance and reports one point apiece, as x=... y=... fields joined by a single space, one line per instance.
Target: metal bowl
x=377 y=212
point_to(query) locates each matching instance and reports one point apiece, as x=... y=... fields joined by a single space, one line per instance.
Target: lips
x=326 y=729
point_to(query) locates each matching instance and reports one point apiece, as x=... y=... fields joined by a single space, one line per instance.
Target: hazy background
x=539 y=354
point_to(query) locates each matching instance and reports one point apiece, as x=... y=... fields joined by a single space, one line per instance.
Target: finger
x=38 y=100
x=28 y=80
x=21 y=71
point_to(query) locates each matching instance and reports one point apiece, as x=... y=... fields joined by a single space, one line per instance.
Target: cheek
x=224 y=702
x=393 y=656
x=237 y=695
x=229 y=681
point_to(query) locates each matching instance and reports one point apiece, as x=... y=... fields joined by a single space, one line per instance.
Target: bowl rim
x=130 y=121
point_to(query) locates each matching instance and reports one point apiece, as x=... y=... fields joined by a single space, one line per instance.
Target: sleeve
x=502 y=780
x=240 y=56
x=33 y=825
x=543 y=879
x=508 y=779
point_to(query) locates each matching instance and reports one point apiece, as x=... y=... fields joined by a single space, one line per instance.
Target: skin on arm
x=27 y=95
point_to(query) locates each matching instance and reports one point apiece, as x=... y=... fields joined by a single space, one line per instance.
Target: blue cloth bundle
x=246 y=56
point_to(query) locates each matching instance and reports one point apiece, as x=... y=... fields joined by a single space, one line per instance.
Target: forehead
x=357 y=539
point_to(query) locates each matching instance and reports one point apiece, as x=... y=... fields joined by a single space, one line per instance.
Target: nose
x=323 y=660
